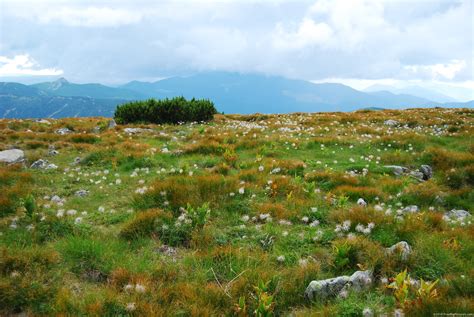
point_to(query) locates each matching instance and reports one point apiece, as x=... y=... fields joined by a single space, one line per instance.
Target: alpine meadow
x=236 y=158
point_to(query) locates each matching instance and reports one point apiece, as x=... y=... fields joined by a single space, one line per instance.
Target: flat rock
x=136 y=130
x=12 y=156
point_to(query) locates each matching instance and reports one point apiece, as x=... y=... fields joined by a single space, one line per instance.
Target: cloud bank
x=117 y=41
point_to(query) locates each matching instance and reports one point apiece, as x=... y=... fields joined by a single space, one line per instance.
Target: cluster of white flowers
x=141 y=190
x=344 y=227
x=183 y=218
x=365 y=230
x=130 y=307
x=139 y=288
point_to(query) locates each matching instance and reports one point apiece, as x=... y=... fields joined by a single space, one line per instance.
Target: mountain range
x=231 y=92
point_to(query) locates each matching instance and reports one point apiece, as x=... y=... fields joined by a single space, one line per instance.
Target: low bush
x=15 y=185
x=173 y=111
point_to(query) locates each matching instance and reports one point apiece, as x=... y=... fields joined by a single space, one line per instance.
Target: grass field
x=238 y=216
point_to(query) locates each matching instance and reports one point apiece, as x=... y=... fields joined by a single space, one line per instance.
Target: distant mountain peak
x=58 y=83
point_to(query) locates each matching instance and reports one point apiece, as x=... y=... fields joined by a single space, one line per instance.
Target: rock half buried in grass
x=39 y=164
x=456 y=215
x=402 y=248
x=397 y=170
x=325 y=289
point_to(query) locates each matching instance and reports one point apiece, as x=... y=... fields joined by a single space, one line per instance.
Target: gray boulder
x=427 y=172
x=12 y=156
x=457 y=215
x=324 y=289
x=402 y=248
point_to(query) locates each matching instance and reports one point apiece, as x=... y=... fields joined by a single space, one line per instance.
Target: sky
x=429 y=43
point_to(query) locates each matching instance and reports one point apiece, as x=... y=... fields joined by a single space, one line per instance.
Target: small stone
x=39 y=164
x=53 y=152
x=411 y=209
x=391 y=122
x=361 y=202
x=63 y=131
x=402 y=248
x=81 y=193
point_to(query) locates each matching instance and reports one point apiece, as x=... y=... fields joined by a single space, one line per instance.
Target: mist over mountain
x=414 y=91
x=231 y=92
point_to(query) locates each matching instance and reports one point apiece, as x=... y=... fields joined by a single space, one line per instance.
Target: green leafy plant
x=240 y=308
x=30 y=205
x=344 y=257
x=265 y=301
x=401 y=287
x=407 y=295
x=427 y=291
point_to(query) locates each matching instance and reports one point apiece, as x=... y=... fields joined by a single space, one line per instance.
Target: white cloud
x=24 y=65
x=437 y=71
x=315 y=39
x=309 y=33
x=90 y=16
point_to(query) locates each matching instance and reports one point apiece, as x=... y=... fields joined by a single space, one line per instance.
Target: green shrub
x=173 y=111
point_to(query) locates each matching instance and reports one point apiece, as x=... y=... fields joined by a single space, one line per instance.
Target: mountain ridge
x=231 y=92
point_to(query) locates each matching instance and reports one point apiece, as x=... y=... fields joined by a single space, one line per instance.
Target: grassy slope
x=55 y=266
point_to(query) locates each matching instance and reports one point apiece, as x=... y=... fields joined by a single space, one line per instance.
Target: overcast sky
x=360 y=42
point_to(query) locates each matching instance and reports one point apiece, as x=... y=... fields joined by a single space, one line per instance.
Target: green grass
x=130 y=228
